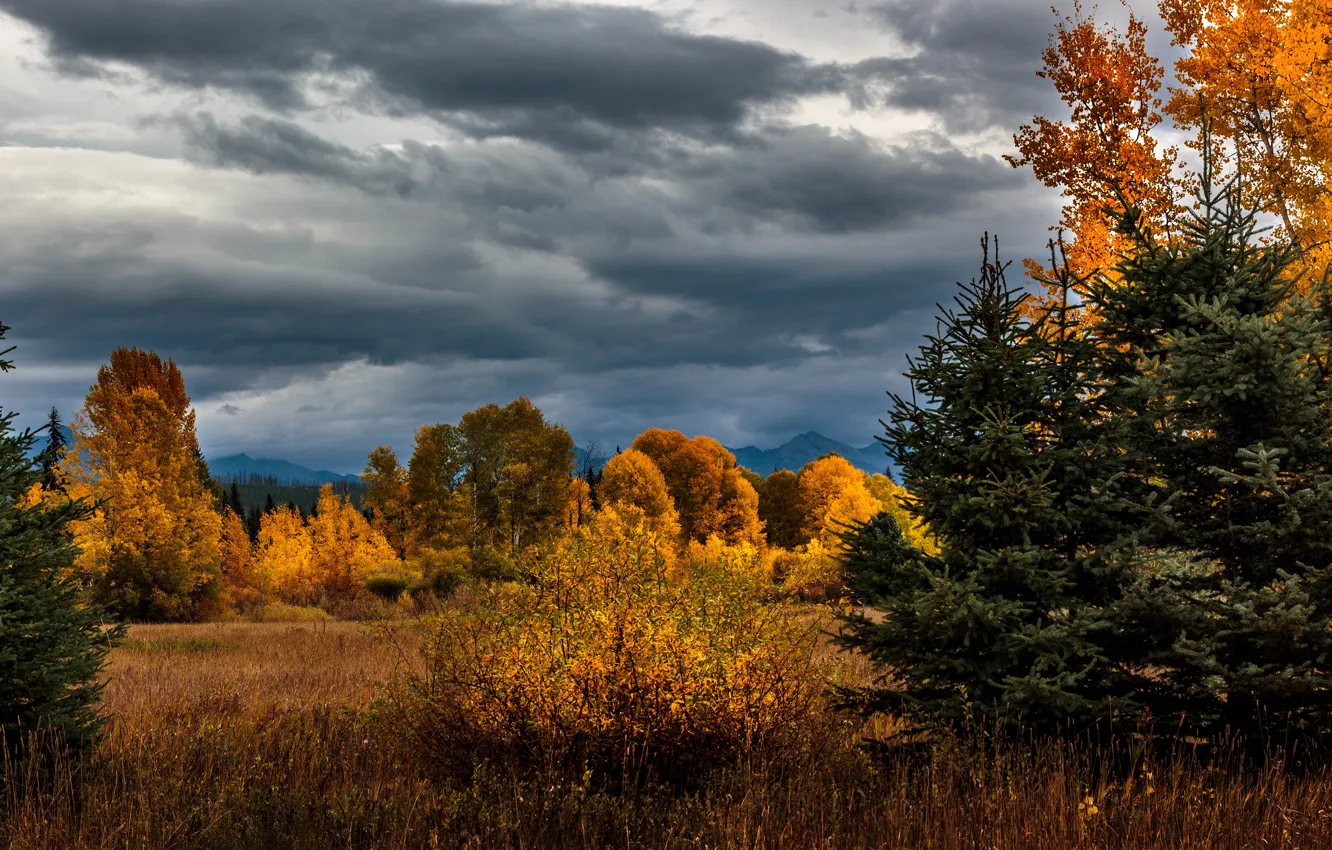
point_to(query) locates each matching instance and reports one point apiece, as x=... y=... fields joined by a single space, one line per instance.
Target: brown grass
x=258 y=735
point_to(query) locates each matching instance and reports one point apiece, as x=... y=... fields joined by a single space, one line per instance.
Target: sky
x=344 y=219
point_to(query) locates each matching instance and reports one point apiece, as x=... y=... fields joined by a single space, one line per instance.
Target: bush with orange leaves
x=619 y=662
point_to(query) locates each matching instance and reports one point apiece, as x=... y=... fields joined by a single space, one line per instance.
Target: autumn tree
x=579 y=509
x=1105 y=158
x=285 y=556
x=1258 y=75
x=831 y=493
x=632 y=478
x=709 y=492
x=1255 y=76
x=242 y=581
x=52 y=645
x=151 y=547
x=345 y=550
x=388 y=497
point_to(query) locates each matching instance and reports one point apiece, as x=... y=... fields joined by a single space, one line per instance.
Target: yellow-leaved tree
x=830 y=494
x=345 y=550
x=151 y=548
x=632 y=478
x=244 y=585
x=285 y=556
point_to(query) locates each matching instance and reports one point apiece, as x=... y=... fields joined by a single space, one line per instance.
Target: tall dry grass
x=260 y=736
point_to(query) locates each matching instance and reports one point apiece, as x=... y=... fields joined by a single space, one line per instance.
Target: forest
x=1093 y=610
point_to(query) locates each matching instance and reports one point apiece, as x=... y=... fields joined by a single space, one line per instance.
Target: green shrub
x=388 y=586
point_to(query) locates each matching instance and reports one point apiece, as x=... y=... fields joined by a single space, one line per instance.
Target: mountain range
x=242 y=466
x=792 y=455
x=801 y=449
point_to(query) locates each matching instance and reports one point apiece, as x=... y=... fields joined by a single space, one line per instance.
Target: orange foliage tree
x=833 y=493
x=1105 y=157
x=1258 y=74
x=151 y=547
x=710 y=493
x=1255 y=79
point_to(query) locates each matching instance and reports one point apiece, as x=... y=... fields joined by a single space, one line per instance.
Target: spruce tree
x=1011 y=463
x=52 y=646
x=253 y=520
x=49 y=456
x=234 y=499
x=1227 y=396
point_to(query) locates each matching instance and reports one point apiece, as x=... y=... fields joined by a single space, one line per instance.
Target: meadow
x=267 y=735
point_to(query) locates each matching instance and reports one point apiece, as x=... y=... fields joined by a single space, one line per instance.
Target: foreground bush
x=262 y=743
x=616 y=660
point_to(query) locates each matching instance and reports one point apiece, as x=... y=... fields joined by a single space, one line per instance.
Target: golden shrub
x=613 y=659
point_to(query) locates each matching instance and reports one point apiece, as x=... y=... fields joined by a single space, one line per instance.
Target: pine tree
x=49 y=456
x=52 y=646
x=253 y=520
x=1006 y=450
x=1227 y=393
x=234 y=500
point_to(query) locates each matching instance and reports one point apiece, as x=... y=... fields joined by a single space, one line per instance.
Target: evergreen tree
x=234 y=499
x=1227 y=393
x=49 y=456
x=253 y=520
x=1004 y=444
x=269 y=504
x=52 y=646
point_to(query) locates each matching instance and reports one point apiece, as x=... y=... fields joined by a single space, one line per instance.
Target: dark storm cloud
x=805 y=178
x=846 y=183
x=974 y=62
x=571 y=76
x=650 y=243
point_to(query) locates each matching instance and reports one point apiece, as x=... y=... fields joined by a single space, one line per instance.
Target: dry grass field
x=263 y=735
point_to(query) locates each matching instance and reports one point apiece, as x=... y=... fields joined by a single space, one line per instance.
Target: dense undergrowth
x=267 y=735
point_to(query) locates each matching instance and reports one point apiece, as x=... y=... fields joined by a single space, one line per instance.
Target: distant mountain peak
x=803 y=448
x=285 y=472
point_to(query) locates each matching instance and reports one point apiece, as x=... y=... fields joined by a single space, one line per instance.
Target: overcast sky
x=347 y=218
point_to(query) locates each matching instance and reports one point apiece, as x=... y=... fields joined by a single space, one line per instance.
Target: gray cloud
x=652 y=242
x=973 y=62
x=805 y=178
x=572 y=76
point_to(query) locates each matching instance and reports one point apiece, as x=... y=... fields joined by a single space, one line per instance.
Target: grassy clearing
x=264 y=740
